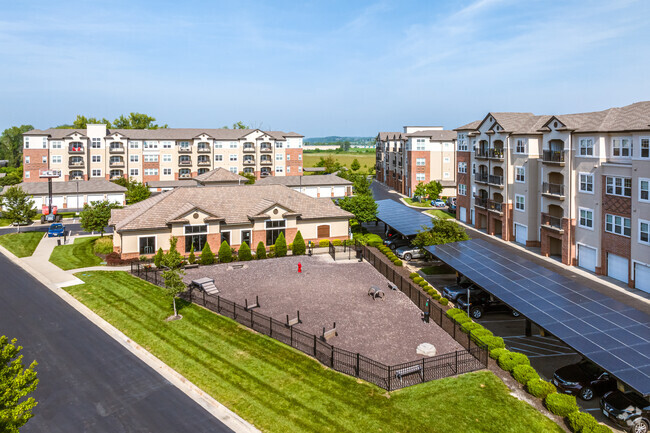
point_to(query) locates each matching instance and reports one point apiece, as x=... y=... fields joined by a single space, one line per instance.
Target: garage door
x=73 y=202
x=587 y=258
x=617 y=267
x=339 y=191
x=311 y=191
x=94 y=197
x=462 y=212
x=57 y=200
x=326 y=191
x=642 y=277
x=521 y=234
x=38 y=203
x=116 y=198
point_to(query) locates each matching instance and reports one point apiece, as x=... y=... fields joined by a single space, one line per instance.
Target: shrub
x=103 y=245
x=443 y=301
x=192 y=257
x=143 y=258
x=453 y=312
x=492 y=342
x=469 y=326
x=460 y=319
x=540 y=388
x=298 y=245
x=561 y=404
x=398 y=262
x=598 y=428
x=374 y=239
x=225 y=254
x=260 y=252
x=581 y=422
x=417 y=280
x=479 y=334
x=290 y=246
x=337 y=242
x=280 y=246
x=413 y=275
x=436 y=296
x=508 y=361
x=245 y=252
x=207 y=256
x=524 y=373
x=323 y=243
x=495 y=353
x=157 y=259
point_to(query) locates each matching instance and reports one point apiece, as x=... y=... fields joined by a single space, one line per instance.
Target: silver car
x=409 y=252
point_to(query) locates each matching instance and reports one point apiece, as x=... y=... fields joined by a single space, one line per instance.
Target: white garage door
x=587 y=258
x=116 y=198
x=57 y=200
x=463 y=214
x=642 y=277
x=339 y=191
x=38 y=203
x=311 y=191
x=521 y=234
x=94 y=197
x=617 y=267
x=73 y=203
x=326 y=191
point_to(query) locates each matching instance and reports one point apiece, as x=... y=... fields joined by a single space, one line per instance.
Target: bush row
x=388 y=253
x=417 y=279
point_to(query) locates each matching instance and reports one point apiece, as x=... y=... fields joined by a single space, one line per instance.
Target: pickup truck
x=56 y=230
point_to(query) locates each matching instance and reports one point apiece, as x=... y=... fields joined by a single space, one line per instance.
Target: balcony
x=203 y=149
x=75 y=149
x=185 y=149
x=203 y=162
x=480 y=202
x=481 y=178
x=553 y=157
x=553 y=190
x=481 y=153
x=496 y=154
x=185 y=175
x=185 y=162
x=495 y=180
x=552 y=222
x=116 y=149
x=266 y=162
x=249 y=149
x=76 y=177
x=495 y=206
x=249 y=162
x=116 y=163
x=266 y=149
x=77 y=163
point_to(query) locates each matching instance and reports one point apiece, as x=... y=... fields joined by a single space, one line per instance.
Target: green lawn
x=426 y=203
x=77 y=255
x=368 y=159
x=281 y=390
x=21 y=244
x=441 y=214
x=4 y=222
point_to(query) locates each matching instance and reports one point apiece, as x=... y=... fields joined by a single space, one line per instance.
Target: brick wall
x=35 y=164
x=148 y=165
x=613 y=243
x=294 y=162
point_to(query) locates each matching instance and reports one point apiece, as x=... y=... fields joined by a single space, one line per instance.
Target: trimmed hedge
x=492 y=342
x=495 y=353
x=298 y=247
x=398 y=262
x=453 y=312
x=280 y=246
x=436 y=296
x=323 y=243
x=418 y=280
x=443 y=301
x=225 y=253
x=598 y=428
x=508 y=361
x=524 y=373
x=337 y=242
x=540 y=388
x=579 y=421
x=469 y=326
x=413 y=275
x=260 y=252
x=244 y=253
x=561 y=404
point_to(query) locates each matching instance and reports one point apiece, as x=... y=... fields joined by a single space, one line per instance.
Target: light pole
x=467 y=301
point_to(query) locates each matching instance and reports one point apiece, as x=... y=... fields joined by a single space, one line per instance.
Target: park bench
x=251 y=306
x=375 y=292
x=206 y=285
x=409 y=370
x=330 y=333
x=392 y=286
x=294 y=321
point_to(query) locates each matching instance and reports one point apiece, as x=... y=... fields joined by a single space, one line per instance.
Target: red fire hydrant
x=299 y=267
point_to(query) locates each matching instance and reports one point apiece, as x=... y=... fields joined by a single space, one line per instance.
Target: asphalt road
x=74 y=228
x=88 y=381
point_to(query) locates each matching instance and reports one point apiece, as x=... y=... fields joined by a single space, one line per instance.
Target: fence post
x=314 y=345
x=270 y=327
x=423 y=370
x=291 y=333
x=456 y=353
x=332 y=349
x=357 y=370
x=390 y=375
x=204 y=301
x=252 y=327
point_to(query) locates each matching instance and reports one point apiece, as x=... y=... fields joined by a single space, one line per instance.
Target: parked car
x=56 y=230
x=583 y=379
x=437 y=203
x=409 y=252
x=453 y=292
x=397 y=241
x=482 y=302
x=628 y=410
x=451 y=201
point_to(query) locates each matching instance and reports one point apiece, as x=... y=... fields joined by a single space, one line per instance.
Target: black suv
x=453 y=292
x=583 y=379
x=396 y=241
x=628 y=410
x=483 y=302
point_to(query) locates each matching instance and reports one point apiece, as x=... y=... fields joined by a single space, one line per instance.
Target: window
x=96 y=158
x=619 y=186
x=184 y=144
x=225 y=236
x=96 y=172
x=218 y=158
x=273 y=230
x=445 y=159
x=134 y=158
x=520 y=202
x=420 y=177
x=134 y=144
x=167 y=158
x=167 y=144
x=520 y=146
x=445 y=175
x=586 y=182
x=419 y=144
x=474 y=168
x=300 y=157
x=644 y=231
x=233 y=157
x=462 y=189
x=245 y=236
x=645 y=147
x=96 y=143
x=299 y=169
x=279 y=145
x=151 y=158
x=150 y=145
x=420 y=161
x=195 y=236
x=147 y=245
x=56 y=159
x=621 y=147
x=586 y=147
x=134 y=172
x=233 y=169
x=462 y=142
x=586 y=218
x=233 y=145
x=520 y=174
x=56 y=145
x=218 y=145
x=167 y=171
x=617 y=224
x=279 y=169
x=288 y=169
x=644 y=187
x=278 y=157
x=462 y=167
x=27 y=175
x=44 y=159
x=44 y=143
x=151 y=172
x=288 y=157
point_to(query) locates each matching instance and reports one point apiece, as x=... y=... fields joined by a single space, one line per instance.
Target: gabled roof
x=72 y=187
x=434 y=134
x=386 y=136
x=472 y=126
x=219 y=175
x=187 y=208
x=313 y=180
x=167 y=133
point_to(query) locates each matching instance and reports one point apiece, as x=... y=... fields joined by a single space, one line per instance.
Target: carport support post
x=529 y=331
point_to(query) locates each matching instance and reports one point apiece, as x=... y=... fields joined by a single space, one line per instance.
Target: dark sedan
x=453 y=292
x=628 y=410
x=482 y=302
x=583 y=379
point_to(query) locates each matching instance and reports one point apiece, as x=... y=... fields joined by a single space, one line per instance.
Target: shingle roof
x=313 y=180
x=385 y=136
x=434 y=134
x=469 y=127
x=170 y=183
x=166 y=133
x=70 y=187
x=235 y=204
x=219 y=175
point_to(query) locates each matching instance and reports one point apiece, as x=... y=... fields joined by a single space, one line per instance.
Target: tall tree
x=442 y=231
x=433 y=188
x=81 y=122
x=174 y=284
x=355 y=165
x=362 y=206
x=330 y=164
x=420 y=190
x=94 y=217
x=18 y=207
x=136 y=192
x=238 y=125
x=136 y=121
x=11 y=144
x=16 y=382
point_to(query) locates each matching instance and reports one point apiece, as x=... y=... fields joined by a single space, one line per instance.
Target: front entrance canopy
x=403 y=219
x=609 y=333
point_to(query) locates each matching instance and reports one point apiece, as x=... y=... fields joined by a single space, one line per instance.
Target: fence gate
x=332 y=251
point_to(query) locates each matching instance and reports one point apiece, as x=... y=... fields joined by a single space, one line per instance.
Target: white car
x=409 y=252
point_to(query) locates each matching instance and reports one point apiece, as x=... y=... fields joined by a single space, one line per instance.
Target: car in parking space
x=584 y=379
x=627 y=410
x=453 y=292
x=56 y=230
x=437 y=203
x=481 y=303
x=409 y=253
x=397 y=241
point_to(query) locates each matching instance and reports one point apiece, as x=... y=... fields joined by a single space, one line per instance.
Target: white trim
x=593 y=180
x=592 y=218
x=524 y=197
x=639 y=237
x=620 y=139
x=155 y=242
x=593 y=147
x=241 y=238
x=645 y=200
x=642 y=158
x=524 y=173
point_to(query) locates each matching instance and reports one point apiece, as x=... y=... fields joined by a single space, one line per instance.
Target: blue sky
x=320 y=67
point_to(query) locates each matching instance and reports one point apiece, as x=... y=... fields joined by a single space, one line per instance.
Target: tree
x=249 y=176
x=11 y=144
x=17 y=206
x=174 y=284
x=355 y=165
x=345 y=146
x=420 y=190
x=244 y=252
x=207 y=256
x=158 y=258
x=280 y=246
x=16 y=382
x=225 y=253
x=362 y=206
x=433 y=189
x=81 y=122
x=192 y=258
x=238 y=125
x=330 y=164
x=298 y=248
x=260 y=252
x=442 y=231
x=136 y=121
x=13 y=175
x=94 y=217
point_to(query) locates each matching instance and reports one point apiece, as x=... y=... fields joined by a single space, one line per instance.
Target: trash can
x=58 y=241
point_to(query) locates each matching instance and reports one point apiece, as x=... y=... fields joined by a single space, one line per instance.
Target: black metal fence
x=332 y=250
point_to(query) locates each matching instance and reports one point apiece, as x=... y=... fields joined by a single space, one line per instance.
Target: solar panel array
x=611 y=334
x=405 y=220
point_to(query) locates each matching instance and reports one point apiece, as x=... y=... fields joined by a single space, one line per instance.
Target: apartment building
x=419 y=154
x=159 y=154
x=575 y=185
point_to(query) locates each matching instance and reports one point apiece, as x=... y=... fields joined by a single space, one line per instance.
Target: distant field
x=310 y=159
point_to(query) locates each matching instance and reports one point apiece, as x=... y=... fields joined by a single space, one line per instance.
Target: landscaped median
x=21 y=244
x=81 y=253
x=279 y=389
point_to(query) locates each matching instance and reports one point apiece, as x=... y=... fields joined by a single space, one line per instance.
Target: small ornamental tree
x=173 y=281
x=94 y=218
x=17 y=206
x=207 y=256
x=225 y=254
x=245 y=252
x=16 y=382
x=158 y=258
x=355 y=165
x=298 y=248
x=280 y=246
x=260 y=252
x=192 y=258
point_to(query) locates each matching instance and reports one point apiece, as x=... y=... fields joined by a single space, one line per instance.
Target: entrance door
x=587 y=258
x=463 y=214
x=521 y=234
x=617 y=267
x=642 y=277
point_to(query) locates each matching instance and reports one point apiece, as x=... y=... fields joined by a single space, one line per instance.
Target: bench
x=295 y=321
x=376 y=292
x=409 y=370
x=329 y=334
x=206 y=285
x=191 y=266
x=251 y=306
x=392 y=286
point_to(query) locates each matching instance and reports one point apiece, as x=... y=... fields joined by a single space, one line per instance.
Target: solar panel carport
x=609 y=333
x=403 y=219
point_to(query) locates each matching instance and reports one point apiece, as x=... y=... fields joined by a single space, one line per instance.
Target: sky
x=322 y=67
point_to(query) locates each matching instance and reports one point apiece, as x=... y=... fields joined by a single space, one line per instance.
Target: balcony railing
x=495 y=206
x=266 y=162
x=481 y=153
x=76 y=163
x=249 y=162
x=481 y=177
x=496 y=154
x=116 y=149
x=551 y=221
x=203 y=149
x=266 y=149
x=185 y=162
x=203 y=162
x=76 y=149
x=553 y=189
x=116 y=163
x=480 y=202
x=495 y=180
x=185 y=149
x=249 y=149
x=553 y=156
x=265 y=173
x=185 y=175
